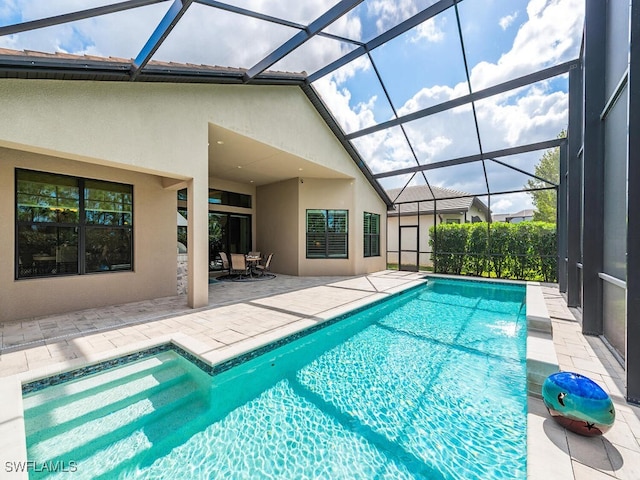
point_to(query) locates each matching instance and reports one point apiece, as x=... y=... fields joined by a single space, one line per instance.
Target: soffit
x=238 y=158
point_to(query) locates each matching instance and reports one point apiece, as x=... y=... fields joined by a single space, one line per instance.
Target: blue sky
x=504 y=39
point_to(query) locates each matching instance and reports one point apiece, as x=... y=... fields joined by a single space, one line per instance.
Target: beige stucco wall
x=409 y=242
x=162 y=130
x=330 y=195
x=281 y=219
x=367 y=200
x=159 y=127
x=278 y=224
x=153 y=235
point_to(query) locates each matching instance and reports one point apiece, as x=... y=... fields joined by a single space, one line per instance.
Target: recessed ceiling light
x=250 y=181
x=239 y=166
x=220 y=142
x=300 y=169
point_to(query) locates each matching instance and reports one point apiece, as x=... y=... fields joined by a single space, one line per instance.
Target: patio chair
x=238 y=265
x=266 y=267
x=225 y=261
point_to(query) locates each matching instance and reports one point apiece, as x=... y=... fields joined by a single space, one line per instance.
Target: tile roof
x=522 y=213
x=62 y=59
x=507 y=217
x=452 y=200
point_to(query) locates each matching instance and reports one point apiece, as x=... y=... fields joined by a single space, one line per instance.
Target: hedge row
x=523 y=251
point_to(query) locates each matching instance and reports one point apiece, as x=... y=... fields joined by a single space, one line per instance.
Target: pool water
x=431 y=384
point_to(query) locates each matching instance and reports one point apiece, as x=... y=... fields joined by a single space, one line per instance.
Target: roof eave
x=35 y=67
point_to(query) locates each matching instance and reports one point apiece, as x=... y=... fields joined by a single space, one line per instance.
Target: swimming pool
x=431 y=384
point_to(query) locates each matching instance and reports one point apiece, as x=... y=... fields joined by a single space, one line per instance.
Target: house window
x=232 y=199
x=327 y=235
x=452 y=220
x=371 y=234
x=68 y=225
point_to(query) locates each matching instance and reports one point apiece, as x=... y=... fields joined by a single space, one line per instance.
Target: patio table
x=252 y=261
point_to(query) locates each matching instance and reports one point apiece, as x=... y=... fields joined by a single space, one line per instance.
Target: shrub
x=451 y=244
x=476 y=249
x=499 y=241
x=525 y=251
x=519 y=249
x=544 y=246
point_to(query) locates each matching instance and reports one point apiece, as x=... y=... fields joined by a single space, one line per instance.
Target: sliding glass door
x=229 y=233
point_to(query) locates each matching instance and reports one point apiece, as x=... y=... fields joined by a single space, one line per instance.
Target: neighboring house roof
x=447 y=200
x=522 y=214
x=500 y=217
x=507 y=217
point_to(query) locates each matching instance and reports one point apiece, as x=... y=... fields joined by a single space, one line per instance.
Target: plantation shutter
x=327 y=234
x=316 y=234
x=366 y=236
x=375 y=235
x=337 y=244
x=371 y=234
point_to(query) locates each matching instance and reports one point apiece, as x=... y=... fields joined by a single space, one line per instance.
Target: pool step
x=61 y=393
x=139 y=397
x=83 y=407
x=132 y=452
x=114 y=424
x=122 y=448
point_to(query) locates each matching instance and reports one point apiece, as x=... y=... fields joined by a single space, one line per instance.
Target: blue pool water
x=431 y=384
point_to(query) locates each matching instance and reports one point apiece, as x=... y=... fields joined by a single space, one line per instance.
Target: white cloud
x=502 y=205
x=506 y=21
x=512 y=203
x=432 y=96
x=550 y=35
x=528 y=115
x=429 y=31
x=389 y=14
x=203 y=35
x=338 y=99
x=385 y=150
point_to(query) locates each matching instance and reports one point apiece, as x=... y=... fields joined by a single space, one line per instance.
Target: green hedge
x=523 y=251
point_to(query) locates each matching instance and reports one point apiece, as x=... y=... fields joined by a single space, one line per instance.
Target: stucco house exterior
x=416 y=212
x=525 y=215
x=89 y=175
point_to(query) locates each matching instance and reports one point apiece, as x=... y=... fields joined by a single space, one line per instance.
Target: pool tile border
x=224 y=365
x=81 y=372
x=212 y=370
x=251 y=354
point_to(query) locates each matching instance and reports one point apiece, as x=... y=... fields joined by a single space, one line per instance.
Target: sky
x=503 y=40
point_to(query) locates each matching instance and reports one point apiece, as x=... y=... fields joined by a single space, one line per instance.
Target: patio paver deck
x=241 y=316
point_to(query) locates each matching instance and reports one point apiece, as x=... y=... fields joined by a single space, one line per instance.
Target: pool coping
x=541 y=360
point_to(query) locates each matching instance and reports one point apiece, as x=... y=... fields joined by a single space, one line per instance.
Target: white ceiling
x=245 y=160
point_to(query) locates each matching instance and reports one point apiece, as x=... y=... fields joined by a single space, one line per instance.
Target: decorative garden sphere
x=578 y=403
